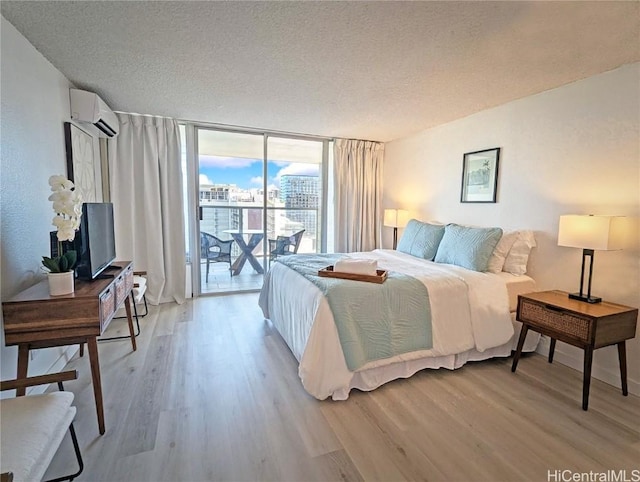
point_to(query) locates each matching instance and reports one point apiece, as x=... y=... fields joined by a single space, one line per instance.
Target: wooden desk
x=34 y=319
x=585 y=325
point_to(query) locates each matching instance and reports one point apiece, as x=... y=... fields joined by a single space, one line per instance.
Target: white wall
x=34 y=106
x=571 y=150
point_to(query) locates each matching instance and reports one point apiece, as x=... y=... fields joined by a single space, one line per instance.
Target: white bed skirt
x=372 y=378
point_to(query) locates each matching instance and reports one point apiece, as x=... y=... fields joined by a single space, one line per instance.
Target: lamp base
x=585 y=298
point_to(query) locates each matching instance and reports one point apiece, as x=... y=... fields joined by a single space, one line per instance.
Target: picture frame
x=480 y=176
x=82 y=167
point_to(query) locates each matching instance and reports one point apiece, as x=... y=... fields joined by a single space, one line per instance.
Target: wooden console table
x=34 y=319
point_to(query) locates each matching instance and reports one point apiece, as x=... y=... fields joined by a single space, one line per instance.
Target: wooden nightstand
x=585 y=325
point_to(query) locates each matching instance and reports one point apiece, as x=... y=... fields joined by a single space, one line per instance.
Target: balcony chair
x=284 y=245
x=214 y=250
x=33 y=428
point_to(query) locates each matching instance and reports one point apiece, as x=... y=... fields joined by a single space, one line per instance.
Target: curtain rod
x=255 y=130
x=243 y=129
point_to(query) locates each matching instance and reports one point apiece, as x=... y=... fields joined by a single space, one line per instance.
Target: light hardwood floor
x=213 y=394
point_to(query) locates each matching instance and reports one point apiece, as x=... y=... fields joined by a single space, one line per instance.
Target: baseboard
x=608 y=376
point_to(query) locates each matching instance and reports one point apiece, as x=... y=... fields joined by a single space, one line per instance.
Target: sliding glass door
x=295 y=207
x=258 y=196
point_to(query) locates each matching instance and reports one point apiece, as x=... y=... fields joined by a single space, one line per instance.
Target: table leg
x=92 y=345
x=523 y=336
x=246 y=253
x=238 y=264
x=127 y=307
x=552 y=349
x=588 y=358
x=622 y=357
x=23 y=366
x=253 y=242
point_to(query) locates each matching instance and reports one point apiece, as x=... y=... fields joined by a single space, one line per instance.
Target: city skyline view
x=247 y=173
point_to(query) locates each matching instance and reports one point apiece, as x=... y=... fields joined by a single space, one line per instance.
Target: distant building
x=227 y=207
x=299 y=191
x=302 y=195
x=215 y=192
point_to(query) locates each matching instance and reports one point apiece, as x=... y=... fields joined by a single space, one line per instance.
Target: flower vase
x=60 y=283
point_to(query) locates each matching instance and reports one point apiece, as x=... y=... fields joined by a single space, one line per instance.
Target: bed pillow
x=421 y=239
x=468 y=247
x=501 y=251
x=516 y=261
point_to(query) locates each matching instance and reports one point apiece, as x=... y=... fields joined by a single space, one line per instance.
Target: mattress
x=302 y=316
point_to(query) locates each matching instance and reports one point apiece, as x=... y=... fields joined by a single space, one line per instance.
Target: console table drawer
x=128 y=279
x=124 y=285
x=107 y=307
x=555 y=319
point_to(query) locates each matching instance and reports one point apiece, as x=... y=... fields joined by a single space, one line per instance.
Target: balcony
x=244 y=224
x=221 y=282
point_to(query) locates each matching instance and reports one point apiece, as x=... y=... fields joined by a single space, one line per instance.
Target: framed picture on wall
x=480 y=176
x=82 y=167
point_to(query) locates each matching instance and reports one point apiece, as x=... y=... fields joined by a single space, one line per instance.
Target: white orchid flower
x=67 y=204
x=59 y=183
x=66 y=234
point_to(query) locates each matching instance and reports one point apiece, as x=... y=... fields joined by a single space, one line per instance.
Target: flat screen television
x=95 y=242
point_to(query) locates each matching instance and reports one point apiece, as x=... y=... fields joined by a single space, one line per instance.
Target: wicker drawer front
x=107 y=308
x=561 y=321
x=128 y=279
x=121 y=289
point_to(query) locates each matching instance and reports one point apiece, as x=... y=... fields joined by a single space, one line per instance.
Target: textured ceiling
x=379 y=70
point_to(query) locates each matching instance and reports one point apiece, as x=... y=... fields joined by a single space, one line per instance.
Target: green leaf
x=71 y=257
x=63 y=262
x=51 y=264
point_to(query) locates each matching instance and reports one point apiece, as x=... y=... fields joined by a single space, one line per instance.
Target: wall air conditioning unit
x=88 y=107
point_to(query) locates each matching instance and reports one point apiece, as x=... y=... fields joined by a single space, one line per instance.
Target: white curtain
x=146 y=190
x=358 y=195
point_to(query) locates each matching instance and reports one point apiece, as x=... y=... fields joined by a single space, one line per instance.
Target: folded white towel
x=357 y=266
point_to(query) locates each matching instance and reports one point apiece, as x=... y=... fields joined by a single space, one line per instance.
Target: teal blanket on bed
x=374 y=321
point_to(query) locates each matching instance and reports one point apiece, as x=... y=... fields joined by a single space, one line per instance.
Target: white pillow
x=516 y=262
x=499 y=255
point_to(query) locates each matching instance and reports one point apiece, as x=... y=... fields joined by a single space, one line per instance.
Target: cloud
x=256 y=180
x=279 y=163
x=299 y=169
x=226 y=162
x=204 y=179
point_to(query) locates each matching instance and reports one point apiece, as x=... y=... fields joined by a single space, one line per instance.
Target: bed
x=480 y=328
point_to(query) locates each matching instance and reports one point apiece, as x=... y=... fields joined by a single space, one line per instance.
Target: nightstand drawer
x=555 y=319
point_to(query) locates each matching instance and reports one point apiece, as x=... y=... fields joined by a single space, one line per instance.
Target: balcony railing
x=281 y=221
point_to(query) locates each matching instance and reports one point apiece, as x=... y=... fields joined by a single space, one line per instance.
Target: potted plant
x=67 y=204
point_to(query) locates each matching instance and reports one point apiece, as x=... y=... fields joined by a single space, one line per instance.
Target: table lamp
x=395 y=218
x=590 y=233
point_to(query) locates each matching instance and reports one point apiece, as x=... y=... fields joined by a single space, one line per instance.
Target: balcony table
x=246 y=248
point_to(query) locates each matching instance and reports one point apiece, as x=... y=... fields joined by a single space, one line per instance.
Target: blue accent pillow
x=468 y=247
x=421 y=239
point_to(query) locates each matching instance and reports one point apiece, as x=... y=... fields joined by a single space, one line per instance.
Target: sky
x=247 y=173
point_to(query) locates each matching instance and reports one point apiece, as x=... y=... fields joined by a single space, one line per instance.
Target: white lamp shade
x=591 y=232
x=396 y=218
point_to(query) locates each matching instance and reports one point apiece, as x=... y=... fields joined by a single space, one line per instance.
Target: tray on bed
x=329 y=273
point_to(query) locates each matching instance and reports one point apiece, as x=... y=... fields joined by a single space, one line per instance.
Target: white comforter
x=470 y=315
